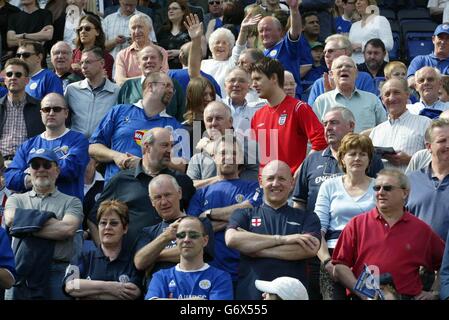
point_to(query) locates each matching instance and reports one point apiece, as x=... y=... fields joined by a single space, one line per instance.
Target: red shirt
x=282 y=132
x=399 y=250
x=108 y=62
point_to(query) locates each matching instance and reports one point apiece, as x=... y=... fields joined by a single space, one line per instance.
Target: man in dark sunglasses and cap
x=45 y=220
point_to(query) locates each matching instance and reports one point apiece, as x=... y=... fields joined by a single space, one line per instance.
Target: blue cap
x=46 y=154
x=442 y=28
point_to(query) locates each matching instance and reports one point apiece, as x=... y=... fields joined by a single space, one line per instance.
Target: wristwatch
x=208 y=214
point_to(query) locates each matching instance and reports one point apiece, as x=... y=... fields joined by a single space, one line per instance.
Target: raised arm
x=295 y=18
x=149 y=254
x=245 y=26
x=195 y=29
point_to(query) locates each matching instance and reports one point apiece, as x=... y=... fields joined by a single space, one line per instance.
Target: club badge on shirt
x=256 y=222
x=282 y=119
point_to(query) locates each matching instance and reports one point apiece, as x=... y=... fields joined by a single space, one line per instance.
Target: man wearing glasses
x=192 y=278
x=18 y=110
x=41 y=258
x=71 y=148
x=388 y=239
x=42 y=81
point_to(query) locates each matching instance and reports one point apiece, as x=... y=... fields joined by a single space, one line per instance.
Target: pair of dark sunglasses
x=86 y=28
x=55 y=109
x=25 y=55
x=191 y=234
x=35 y=165
x=17 y=74
x=386 y=188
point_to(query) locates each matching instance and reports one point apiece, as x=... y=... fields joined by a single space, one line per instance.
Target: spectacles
x=386 y=188
x=112 y=223
x=35 y=165
x=56 y=109
x=25 y=55
x=330 y=51
x=17 y=74
x=85 y=28
x=191 y=234
x=214 y=2
x=88 y=61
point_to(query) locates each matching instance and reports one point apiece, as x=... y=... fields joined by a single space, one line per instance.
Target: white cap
x=286 y=288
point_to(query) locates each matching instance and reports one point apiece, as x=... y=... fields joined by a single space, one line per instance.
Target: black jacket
x=31 y=113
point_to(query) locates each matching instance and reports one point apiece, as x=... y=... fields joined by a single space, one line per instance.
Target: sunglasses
x=35 y=165
x=85 y=28
x=17 y=74
x=214 y=2
x=55 y=109
x=191 y=234
x=386 y=188
x=25 y=55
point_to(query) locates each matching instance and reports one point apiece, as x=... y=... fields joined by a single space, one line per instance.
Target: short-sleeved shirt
x=222 y=194
x=428 y=199
x=58 y=203
x=23 y=22
x=317 y=168
x=148 y=234
x=428 y=60
x=207 y=283
x=266 y=220
x=399 y=250
x=43 y=83
x=122 y=128
x=94 y=265
x=293 y=123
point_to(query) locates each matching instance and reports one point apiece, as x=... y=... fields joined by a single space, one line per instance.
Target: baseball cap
x=314 y=45
x=46 y=154
x=286 y=288
x=442 y=28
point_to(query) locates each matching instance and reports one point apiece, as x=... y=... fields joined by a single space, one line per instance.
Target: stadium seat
x=417 y=36
x=395 y=53
x=405 y=15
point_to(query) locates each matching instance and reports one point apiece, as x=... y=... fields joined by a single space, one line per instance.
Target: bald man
x=70 y=146
x=274 y=239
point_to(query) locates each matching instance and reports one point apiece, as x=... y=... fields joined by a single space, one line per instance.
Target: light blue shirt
x=366 y=107
x=335 y=207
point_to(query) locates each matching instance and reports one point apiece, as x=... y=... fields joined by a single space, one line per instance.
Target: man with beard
x=41 y=270
x=117 y=139
x=220 y=199
x=374 y=54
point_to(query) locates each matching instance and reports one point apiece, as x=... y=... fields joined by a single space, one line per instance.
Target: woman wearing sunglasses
x=107 y=272
x=341 y=198
x=90 y=34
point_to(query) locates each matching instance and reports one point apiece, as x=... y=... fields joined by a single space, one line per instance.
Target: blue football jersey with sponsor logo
x=207 y=283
